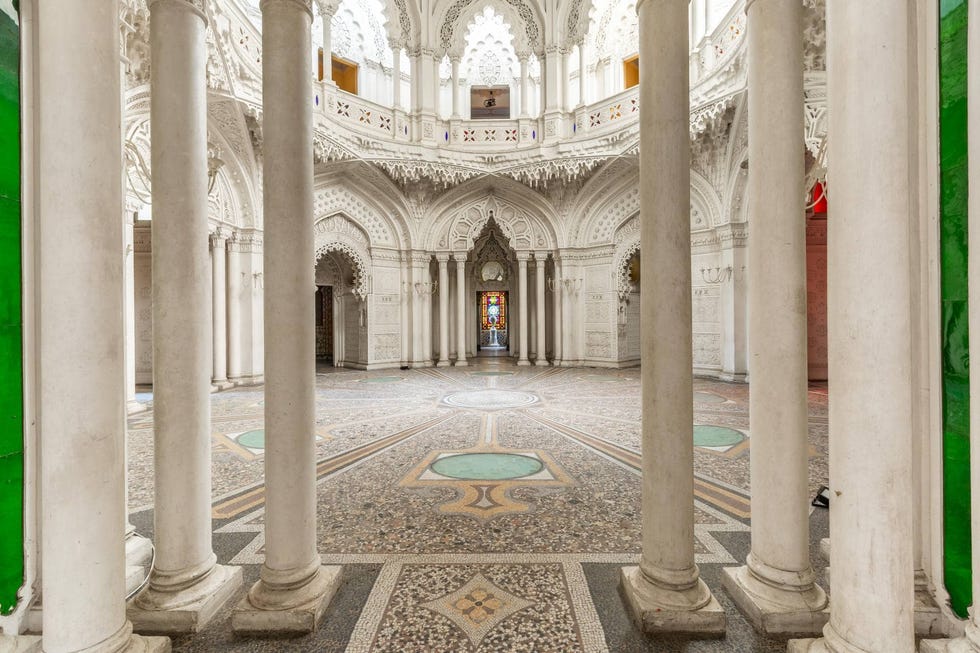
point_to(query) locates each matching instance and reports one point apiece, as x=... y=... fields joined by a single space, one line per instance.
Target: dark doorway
x=324 y=324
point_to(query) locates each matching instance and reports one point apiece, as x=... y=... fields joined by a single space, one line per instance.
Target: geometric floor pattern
x=478 y=509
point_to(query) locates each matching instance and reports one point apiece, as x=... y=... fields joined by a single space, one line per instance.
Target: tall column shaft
x=557 y=312
x=583 y=65
x=524 y=323
x=454 y=85
x=525 y=92
x=665 y=592
x=186 y=588
x=541 y=349
x=234 y=305
x=869 y=350
x=443 y=260
x=327 y=46
x=291 y=580
x=776 y=587
x=461 y=327
x=81 y=359
x=396 y=75
x=218 y=310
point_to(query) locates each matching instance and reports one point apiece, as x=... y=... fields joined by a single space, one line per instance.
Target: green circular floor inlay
x=708 y=398
x=487 y=466
x=716 y=436
x=382 y=379
x=252 y=439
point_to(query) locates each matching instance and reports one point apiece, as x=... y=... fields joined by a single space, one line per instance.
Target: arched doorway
x=341 y=316
x=628 y=314
x=493 y=276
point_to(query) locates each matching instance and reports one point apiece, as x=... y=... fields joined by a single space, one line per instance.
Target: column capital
x=194 y=6
x=523 y=56
x=459 y=257
x=541 y=258
x=522 y=256
x=305 y=5
x=442 y=257
x=217 y=239
x=396 y=45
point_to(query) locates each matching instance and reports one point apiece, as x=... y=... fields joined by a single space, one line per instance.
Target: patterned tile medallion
x=478 y=608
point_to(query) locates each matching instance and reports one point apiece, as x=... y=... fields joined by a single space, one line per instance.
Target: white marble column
x=293 y=589
x=776 y=589
x=461 y=327
x=80 y=331
x=541 y=349
x=523 y=321
x=665 y=592
x=187 y=588
x=454 y=85
x=557 y=312
x=404 y=299
x=970 y=641
x=233 y=262
x=426 y=302
x=869 y=350
x=396 y=74
x=443 y=261
x=327 y=20
x=525 y=92
x=583 y=65
x=218 y=310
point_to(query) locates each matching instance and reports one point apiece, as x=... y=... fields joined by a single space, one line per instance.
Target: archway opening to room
x=340 y=311
x=494 y=313
x=628 y=314
x=493 y=277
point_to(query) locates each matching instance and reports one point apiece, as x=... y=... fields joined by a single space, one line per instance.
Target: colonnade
x=870 y=360
x=453 y=314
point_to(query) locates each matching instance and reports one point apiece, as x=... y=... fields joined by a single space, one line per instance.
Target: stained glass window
x=493 y=310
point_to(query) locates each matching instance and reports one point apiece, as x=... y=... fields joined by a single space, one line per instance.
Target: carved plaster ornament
x=492 y=271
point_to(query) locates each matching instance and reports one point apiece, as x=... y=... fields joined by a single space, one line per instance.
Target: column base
x=222 y=384
x=959 y=645
x=20 y=644
x=462 y=363
x=188 y=610
x=541 y=363
x=303 y=606
x=774 y=611
x=444 y=363
x=138 y=644
x=807 y=646
x=659 y=610
x=523 y=363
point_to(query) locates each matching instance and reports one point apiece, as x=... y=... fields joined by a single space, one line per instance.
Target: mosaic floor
x=486 y=508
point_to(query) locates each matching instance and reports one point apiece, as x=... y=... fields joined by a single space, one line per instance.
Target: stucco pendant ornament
x=492 y=271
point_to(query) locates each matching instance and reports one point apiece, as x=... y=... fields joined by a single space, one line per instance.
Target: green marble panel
x=953 y=180
x=11 y=364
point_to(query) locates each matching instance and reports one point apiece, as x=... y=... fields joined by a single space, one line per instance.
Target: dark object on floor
x=822 y=500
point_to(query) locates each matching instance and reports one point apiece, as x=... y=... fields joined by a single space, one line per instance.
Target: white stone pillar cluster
x=540 y=258
x=454 y=84
x=443 y=261
x=82 y=404
x=665 y=593
x=187 y=588
x=461 y=326
x=219 y=284
x=776 y=588
x=525 y=85
x=522 y=312
x=868 y=74
x=294 y=588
